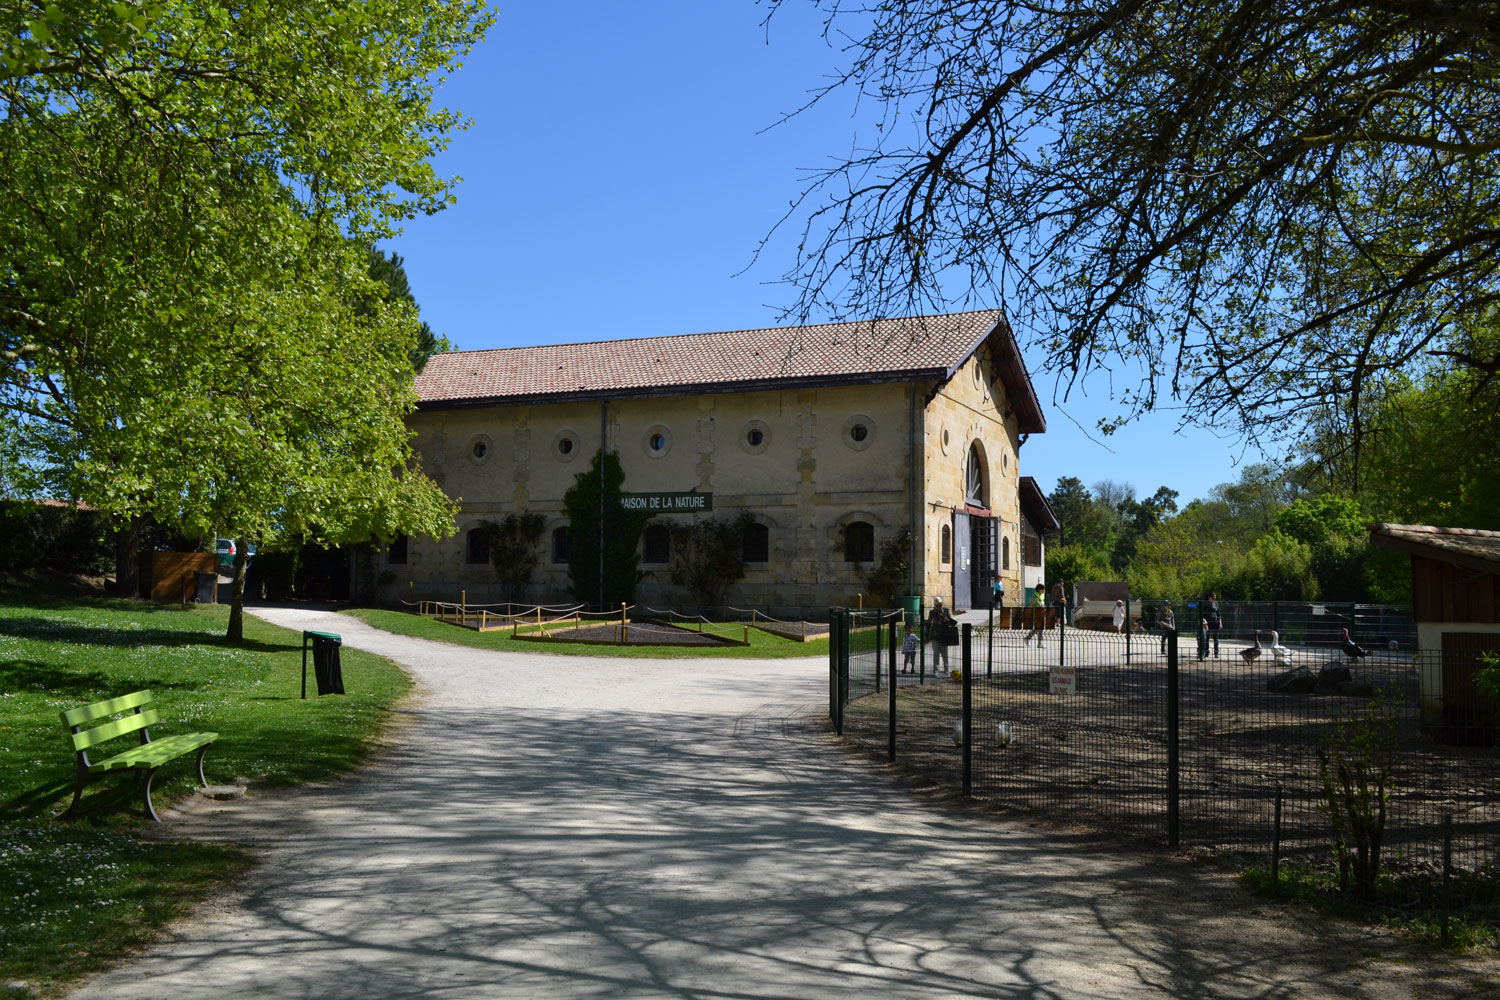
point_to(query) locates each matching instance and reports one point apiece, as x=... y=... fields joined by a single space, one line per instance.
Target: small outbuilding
x=1455 y=588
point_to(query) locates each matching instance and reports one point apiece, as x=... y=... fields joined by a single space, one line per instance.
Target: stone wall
x=803 y=462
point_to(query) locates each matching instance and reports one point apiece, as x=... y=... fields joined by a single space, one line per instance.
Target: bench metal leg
x=146 y=795
x=80 y=779
x=77 y=798
x=202 y=781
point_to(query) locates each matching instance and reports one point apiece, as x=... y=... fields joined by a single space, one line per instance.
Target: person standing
x=909 y=651
x=937 y=634
x=1119 y=615
x=1202 y=639
x=1168 y=622
x=1060 y=600
x=1036 y=599
x=1215 y=620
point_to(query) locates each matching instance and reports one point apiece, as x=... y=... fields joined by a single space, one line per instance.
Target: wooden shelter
x=1455 y=586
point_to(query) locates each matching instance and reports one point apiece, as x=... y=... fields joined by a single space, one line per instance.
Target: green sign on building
x=668 y=503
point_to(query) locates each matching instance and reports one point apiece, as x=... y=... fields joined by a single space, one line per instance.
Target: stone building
x=834 y=438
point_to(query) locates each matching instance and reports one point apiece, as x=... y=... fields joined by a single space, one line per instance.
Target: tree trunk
x=236 y=633
x=128 y=557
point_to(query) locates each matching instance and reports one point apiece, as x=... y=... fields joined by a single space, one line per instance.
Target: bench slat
x=117 y=727
x=99 y=709
x=157 y=752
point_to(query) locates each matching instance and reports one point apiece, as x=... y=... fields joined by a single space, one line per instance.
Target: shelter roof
x=854 y=353
x=1037 y=509
x=1471 y=548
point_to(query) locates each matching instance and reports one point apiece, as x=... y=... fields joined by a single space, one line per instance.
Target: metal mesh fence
x=1194 y=750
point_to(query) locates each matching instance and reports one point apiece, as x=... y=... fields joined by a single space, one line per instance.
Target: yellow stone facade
x=805 y=461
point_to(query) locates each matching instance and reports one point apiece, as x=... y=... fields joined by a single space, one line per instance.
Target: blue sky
x=621 y=171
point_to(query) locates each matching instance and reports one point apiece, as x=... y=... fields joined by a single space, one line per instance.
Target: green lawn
x=763 y=645
x=79 y=893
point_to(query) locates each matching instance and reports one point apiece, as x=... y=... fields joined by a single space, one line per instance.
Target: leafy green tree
x=1183 y=556
x=1075 y=562
x=708 y=554
x=1317 y=519
x=1430 y=455
x=1335 y=529
x=1083 y=522
x=512 y=543
x=185 y=189
x=1253 y=501
x=1276 y=568
x=1137 y=517
x=1266 y=207
x=603 y=535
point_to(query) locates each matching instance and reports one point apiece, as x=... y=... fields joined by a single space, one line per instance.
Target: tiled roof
x=737 y=360
x=1469 y=547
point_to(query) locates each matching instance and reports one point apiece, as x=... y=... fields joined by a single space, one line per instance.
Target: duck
x=1352 y=649
x=1280 y=653
x=1253 y=651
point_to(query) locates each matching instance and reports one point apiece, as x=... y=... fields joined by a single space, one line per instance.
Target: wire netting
x=1079 y=725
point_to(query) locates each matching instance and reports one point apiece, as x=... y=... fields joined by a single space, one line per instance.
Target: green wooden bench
x=145 y=759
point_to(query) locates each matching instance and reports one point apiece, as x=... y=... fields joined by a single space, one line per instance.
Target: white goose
x=1279 y=653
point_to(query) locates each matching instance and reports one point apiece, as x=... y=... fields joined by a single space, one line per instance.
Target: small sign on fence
x=1063 y=680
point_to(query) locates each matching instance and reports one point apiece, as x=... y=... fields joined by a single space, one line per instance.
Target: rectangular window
x=478 y=549
x=757 y=544
x=656 y=544
x=395 y=553
x=859 y=542
x=1031 y=545
x=562 y=546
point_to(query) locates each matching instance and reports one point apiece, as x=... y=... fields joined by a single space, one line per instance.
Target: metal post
x=1173 y=831
x=1276 y=842
x=844 y=671
x=603 y=445
x=891 y=728
x=921 y=649
x=304 y=666
x=1127 y=630
x=1062 y=635
x=989 y=659
x=1447 y=867
x=833 y=669
x=968 y=637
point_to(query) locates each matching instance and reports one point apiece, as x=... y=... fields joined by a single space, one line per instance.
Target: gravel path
x=587 y=827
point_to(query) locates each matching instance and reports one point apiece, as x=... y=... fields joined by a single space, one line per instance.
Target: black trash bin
x=205 y=587
x=325 y=650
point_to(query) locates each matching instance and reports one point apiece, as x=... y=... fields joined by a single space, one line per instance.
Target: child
x=1203 y=639
x=909 y=651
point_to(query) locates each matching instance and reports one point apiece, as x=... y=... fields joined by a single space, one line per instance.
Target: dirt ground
x=690 y=829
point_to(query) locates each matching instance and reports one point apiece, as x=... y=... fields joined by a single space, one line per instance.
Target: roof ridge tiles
x=724 y=333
